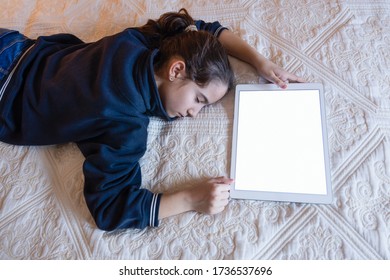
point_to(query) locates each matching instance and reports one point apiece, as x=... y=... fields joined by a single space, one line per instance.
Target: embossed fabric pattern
x=342 y=44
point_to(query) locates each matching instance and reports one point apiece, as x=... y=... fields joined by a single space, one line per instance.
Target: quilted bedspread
x=343 y=44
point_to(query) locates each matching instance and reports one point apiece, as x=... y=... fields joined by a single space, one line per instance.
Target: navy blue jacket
x=99 y=95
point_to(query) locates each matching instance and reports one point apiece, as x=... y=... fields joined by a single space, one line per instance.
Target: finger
x=217 y=210
x=223 y=180
x=221 y=205
x=279 y=82
x=222 y=188
x=285 y=76
x=224 y=203
x=225 y=196
x=295 y=78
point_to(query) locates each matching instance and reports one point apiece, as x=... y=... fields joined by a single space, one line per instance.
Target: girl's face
x=185 y=98
x=182 y=97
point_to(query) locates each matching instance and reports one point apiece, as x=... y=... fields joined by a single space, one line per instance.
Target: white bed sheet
x=342 y=44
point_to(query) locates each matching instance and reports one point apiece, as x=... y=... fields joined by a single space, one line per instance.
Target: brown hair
x=205 y=58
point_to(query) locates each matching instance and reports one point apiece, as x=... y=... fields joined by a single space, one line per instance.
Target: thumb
x=276 y=80
x=224 y=180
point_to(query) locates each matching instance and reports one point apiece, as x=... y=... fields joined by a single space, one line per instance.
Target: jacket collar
x=149 y=88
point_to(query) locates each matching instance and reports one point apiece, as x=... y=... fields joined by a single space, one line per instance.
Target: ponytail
x=169 y=24
x=205 y=58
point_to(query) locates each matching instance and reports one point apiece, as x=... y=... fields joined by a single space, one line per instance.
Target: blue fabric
x=99 y=95
x=12 y=46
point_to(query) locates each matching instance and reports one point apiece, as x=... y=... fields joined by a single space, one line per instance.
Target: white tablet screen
x=279 y=142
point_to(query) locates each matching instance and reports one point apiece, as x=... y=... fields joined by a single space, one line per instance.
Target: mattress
x=342 y=44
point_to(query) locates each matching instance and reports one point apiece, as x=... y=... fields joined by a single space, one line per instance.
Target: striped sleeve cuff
x=219 y=30
x=4 y=86
x=154 y=209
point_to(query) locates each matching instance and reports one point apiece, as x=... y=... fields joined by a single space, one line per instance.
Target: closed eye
x=198 y=100
x=202 y=99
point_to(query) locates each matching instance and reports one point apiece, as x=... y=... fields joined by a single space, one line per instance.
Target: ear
x=177 y=69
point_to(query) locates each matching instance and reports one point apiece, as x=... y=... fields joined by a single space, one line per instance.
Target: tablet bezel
x=282 y=196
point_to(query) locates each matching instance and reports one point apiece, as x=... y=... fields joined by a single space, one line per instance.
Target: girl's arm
x=210 y=198
x=238 y=48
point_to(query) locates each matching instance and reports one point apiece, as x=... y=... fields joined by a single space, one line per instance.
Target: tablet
x=280 y=144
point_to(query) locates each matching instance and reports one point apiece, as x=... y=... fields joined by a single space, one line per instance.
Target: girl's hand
x=277 y=75
x=212 y=196
x=240 y=49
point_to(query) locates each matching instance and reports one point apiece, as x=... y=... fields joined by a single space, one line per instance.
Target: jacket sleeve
x=214 y=28
x=113 y=179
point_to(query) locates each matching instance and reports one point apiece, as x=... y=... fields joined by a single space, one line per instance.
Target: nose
x=193 y=112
